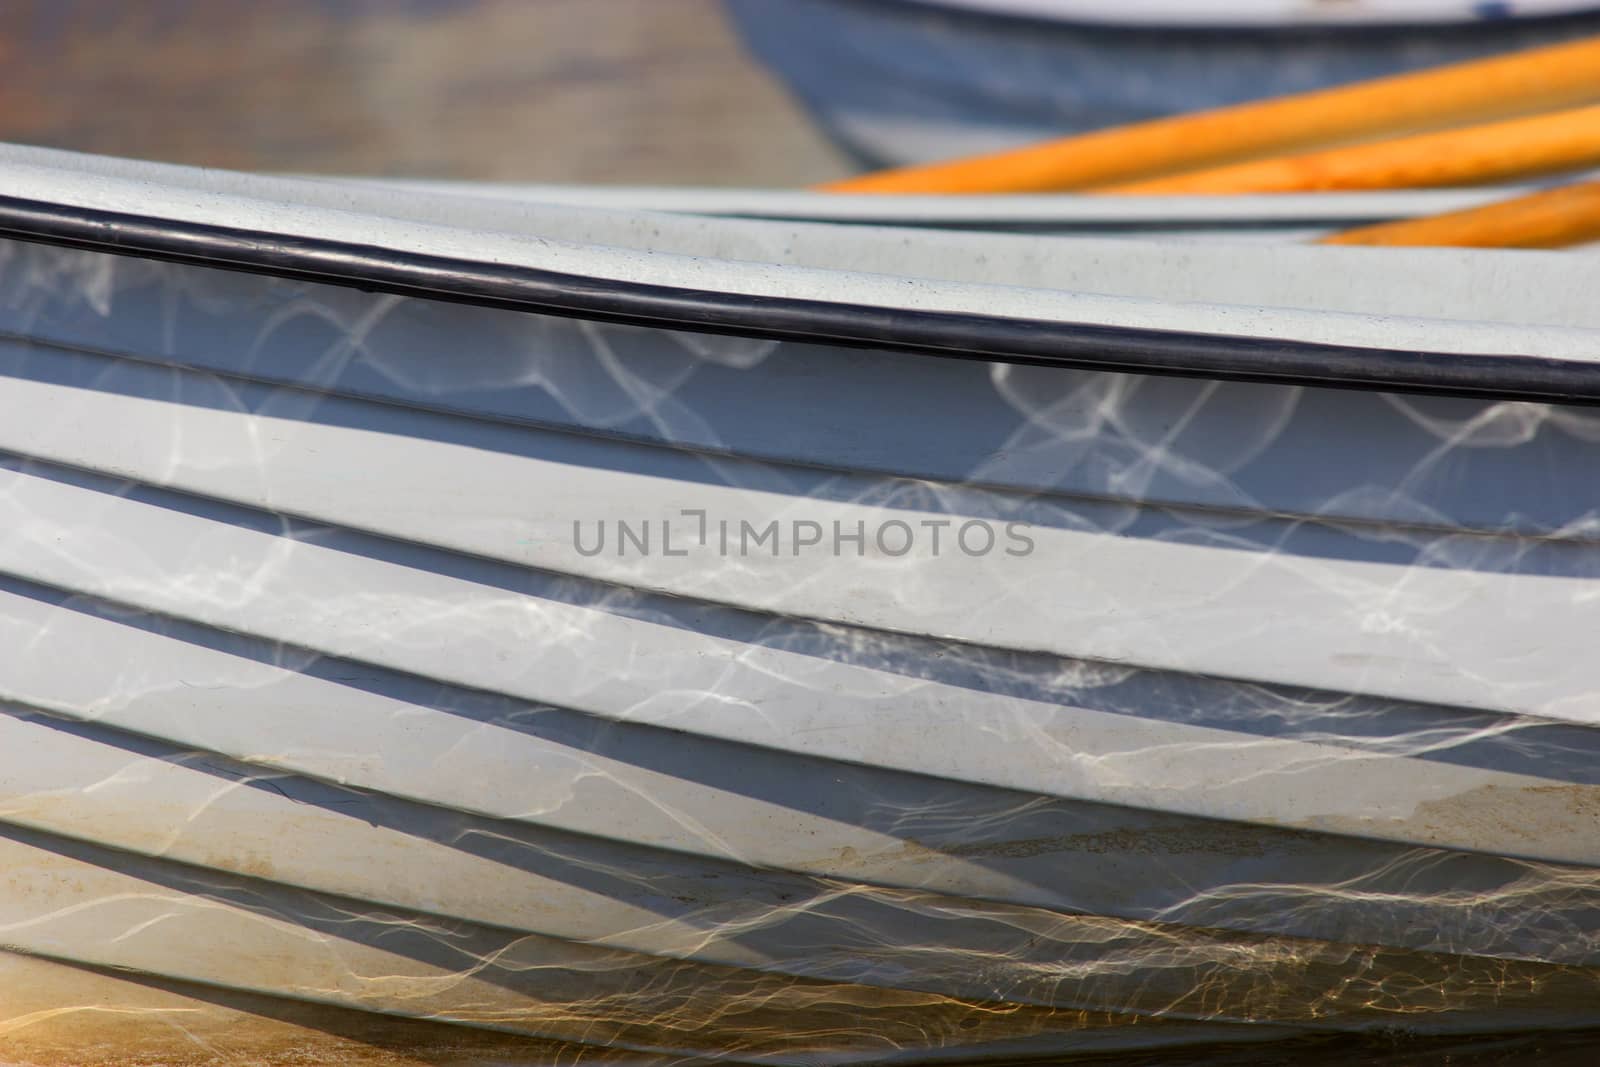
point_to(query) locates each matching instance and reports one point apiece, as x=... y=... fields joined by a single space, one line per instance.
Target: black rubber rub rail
x=949 y=334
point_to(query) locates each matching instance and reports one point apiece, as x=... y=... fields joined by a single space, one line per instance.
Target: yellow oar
x=1549 y=219
x=1538 y=144
x=1519 y=83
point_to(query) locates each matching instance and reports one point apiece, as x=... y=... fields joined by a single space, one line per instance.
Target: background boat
x=906 y=81
x=319 y=714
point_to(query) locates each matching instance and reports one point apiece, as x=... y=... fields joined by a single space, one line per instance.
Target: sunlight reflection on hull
x=312 y=715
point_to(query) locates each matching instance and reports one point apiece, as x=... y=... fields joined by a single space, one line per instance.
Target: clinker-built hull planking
x=1224 y=709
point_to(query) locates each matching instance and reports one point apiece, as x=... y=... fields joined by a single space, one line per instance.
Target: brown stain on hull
x=1491 y=818
x=1220 y=839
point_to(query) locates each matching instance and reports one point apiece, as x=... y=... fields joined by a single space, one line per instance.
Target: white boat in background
x=897 y=82
x=503 y=629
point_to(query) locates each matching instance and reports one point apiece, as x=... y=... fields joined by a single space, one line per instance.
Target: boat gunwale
x=980 y=210
x=931 y=332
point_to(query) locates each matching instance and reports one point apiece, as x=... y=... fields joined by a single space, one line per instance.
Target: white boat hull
x=318 y=713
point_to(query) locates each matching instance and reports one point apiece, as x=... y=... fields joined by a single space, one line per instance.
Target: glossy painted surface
x=317 y=709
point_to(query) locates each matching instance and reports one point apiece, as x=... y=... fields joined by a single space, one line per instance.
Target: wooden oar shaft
x=1521 y=82
x=1553 y=218
x=1560 y=140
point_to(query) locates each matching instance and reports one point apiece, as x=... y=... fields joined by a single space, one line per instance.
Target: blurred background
x=639 y=91
x=699 y=92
